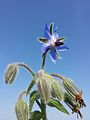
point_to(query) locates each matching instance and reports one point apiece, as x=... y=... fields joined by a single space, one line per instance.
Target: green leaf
x=51 y=28
x=36 y=115
x=33 y=97
x=58 y=105
x=30 y=86
x=43 y=40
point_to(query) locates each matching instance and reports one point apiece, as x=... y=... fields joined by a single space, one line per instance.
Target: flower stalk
x=43 y=109
x=27 y=67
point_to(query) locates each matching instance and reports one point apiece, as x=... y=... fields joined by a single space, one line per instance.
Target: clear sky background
x=21 y=22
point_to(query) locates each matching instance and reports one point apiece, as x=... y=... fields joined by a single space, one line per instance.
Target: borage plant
x=49 y=91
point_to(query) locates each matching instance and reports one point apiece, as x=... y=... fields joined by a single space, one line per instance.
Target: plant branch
x=27 y=67
x=43 y=109
x=21 y=95
x=57 y=75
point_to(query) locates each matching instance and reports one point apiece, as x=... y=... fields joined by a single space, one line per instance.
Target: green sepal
x=51 y=28
x=57 y=90
x=60 y=39
x=68 y=99
x=57 y=53
x=70 y=86
x=55 y=103
x=43 y=40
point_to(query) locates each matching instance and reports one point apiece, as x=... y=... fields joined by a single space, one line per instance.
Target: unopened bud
x=57 y=89
x=11 y=73
x=44 y=85
x=21 y=108
x=70 y=86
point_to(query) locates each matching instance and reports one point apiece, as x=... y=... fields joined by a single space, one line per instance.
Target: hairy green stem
x=44 y=58
x=27 y=67
x=57 y=75
x=43 y=61
x=43 y=109
x=21 y=95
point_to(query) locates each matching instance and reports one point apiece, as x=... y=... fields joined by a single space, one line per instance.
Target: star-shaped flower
x=52 y=42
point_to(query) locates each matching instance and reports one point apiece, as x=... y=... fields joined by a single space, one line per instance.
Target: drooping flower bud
x=43 y=85
x=73 y=105
x=11 y=73
x=74 y=91
x=57 y=90
x=72 y=95
x=21 y=108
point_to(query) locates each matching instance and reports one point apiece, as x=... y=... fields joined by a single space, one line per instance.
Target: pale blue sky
x=21 y=22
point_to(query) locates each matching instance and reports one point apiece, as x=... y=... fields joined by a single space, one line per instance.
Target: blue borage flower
x=52 y=42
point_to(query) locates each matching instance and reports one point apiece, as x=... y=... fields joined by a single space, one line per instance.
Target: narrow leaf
x=33 y=97
x=58 y=105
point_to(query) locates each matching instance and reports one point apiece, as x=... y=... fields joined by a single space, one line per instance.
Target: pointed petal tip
x=53 y=56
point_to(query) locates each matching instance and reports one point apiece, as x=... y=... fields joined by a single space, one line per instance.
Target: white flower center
x=53 y=40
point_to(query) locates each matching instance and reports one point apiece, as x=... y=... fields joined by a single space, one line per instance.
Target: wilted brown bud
x=76 y=109
x=11 y=73
x=74 y=91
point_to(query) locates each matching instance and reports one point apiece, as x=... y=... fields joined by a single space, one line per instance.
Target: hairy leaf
x=58 y=105
x=36 y=115
x=33 y=97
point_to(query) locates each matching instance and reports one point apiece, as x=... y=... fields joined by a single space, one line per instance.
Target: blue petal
x=53 y=55
x=55 y=33
x=47 y=32
x=55 y=29
x=62 y=48
x=45 y=47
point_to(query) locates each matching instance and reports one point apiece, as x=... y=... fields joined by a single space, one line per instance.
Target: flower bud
x=57 y=90
x=21 y=108
x=70 y=86
x=11 y=73
x=73 y=105
x=74 y=91
x=43 y=85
